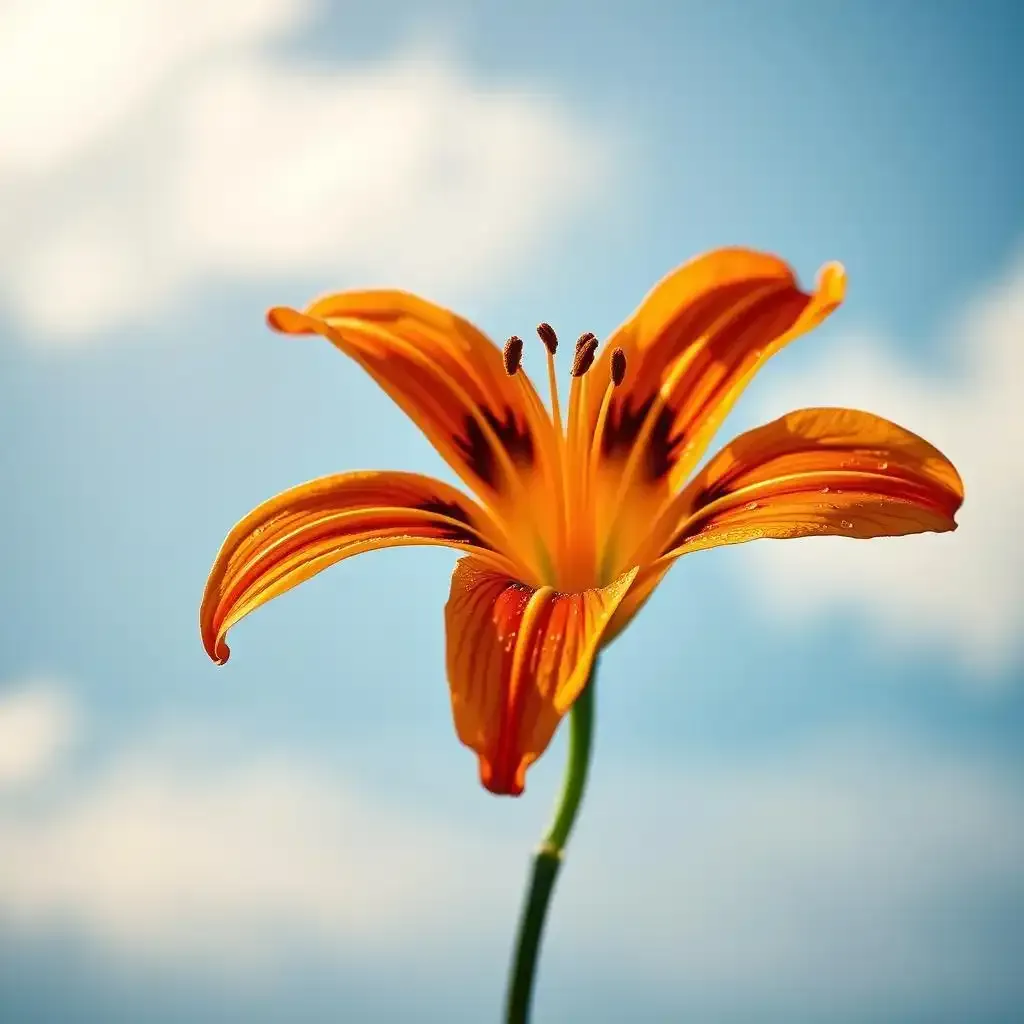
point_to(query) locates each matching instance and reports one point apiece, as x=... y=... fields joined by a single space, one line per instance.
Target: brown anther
x=546 y=333
x=586 y=349
x=513 y=354
x=618 y=367
x=585 y=339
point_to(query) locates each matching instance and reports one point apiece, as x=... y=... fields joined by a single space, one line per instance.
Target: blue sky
x=807 y=799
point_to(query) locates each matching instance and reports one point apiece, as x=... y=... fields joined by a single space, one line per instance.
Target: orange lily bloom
x=574 y=526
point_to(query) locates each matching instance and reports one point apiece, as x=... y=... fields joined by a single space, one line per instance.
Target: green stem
x=548 y=857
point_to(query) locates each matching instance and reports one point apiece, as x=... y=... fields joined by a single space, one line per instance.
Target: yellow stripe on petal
x=815 y=472
x=691 y=348
x=518 y=657
x=450 y=380
x=695 y=340
x=303 y=531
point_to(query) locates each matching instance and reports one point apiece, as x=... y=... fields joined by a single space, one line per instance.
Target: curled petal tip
x=287 y=320
x=832 y=282
x=502 y=783
x=217 y=650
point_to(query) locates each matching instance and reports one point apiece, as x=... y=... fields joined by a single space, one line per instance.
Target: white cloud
x=74 y=70
x=963 y=592
x=174 y=148
x=814 y=878
x=155 y=857
x=172 y=847
x=36 y=726
x=815 y=875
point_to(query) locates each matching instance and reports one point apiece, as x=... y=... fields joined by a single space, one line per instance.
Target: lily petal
x=517 y=659
x=818 y=472
x=302 y=531
x=691 y=348
x=446 y=375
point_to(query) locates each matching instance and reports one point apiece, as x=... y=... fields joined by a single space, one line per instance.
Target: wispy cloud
x=172 y=848
x=817 y=875
x=151 y=146
x=811 y=879
x=963 y=593
x=36 y=725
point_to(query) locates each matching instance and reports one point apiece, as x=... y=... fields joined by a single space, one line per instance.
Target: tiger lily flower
x=575 y=523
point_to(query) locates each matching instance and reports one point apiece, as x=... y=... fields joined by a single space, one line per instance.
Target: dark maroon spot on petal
x=712 y=492
x=452 y=510
x=514 y=437
x=689 y=531
x=623 y=426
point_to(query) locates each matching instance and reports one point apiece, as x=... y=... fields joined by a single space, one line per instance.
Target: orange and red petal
x=302 y=531
x=691 y=348
x=695 y=342
x=818 y=472
x=517 y=659
x=447 y=376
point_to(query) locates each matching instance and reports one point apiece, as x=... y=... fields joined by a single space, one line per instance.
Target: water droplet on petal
x=883 y=465
x=846 y=524
x=826 y=489
x=750 y=506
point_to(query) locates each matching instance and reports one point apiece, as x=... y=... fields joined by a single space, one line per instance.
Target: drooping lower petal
x=302 y=531
x=817 y=472
x=517 y=659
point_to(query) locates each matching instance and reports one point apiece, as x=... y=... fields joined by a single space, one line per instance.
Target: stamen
x=618 y=367
x=513 y=354
x=618 y=374
x=579 y=461
x=586 y=349
x=547 y=334
x=585 y=339
x=677 y=370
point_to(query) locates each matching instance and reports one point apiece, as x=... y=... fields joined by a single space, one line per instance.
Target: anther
x=512 y=354
x=584 y=339
x=586 y=349
x=618 y=367
x=546 y=333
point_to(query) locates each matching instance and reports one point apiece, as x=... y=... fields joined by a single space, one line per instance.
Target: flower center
x=566 y=515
